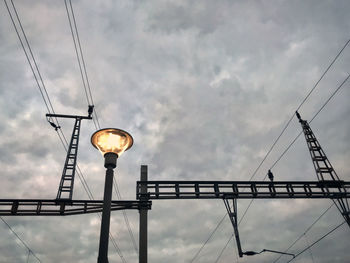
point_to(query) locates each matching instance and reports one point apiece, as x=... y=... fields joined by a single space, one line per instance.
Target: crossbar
x=243 y=189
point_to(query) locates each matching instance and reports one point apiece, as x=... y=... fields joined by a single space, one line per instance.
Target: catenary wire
x=318 y=240
x=305 y=232
x=206 y=241
x=126 y=219
x=42 y=86
x=81 y=60
x=300 y=105
x=31 y=54
x=308 y=244
x=291 y=118
x=76 y=53
x=48 y=105
x=223 y=249
x=20 y=239
x=78 y=59
x=89 y=98
x=294 y=140
x=91 y=197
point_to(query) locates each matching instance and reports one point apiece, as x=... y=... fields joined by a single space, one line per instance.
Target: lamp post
x=111 y=143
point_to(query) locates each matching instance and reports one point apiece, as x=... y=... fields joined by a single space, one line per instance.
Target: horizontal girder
x=49 y=207
x=244 y=189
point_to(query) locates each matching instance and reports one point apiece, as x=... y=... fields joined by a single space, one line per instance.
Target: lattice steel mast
x=65 y=189
x=324 y=169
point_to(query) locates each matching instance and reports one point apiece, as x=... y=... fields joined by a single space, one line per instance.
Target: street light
x=111 y=143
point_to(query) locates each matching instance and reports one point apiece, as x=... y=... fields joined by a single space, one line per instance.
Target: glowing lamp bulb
x=111 y=140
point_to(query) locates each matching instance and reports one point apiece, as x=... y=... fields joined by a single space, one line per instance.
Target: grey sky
x=204 y=87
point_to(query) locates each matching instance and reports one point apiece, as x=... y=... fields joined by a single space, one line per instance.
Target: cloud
x=204 y=88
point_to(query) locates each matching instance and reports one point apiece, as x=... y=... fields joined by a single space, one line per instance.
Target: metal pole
x=110 y=163
x=143 y=218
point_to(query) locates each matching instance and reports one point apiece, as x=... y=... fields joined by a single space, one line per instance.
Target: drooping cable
x=308 y=244
x=126 y=219
x=47 y=101
x=305 y=232
x=33 y=64
x=294 y=140
x=300 y=105
x=207 y=240
x=224 y=248
x=91 y=197
x=88 y=94
x=315 y=115
x=80 y=58
x=318 y=240
x=289 y=121
x=20 y=239
x=77 y=55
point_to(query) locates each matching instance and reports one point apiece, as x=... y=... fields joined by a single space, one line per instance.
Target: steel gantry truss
x=49 y=207
x=243 y=189
x=328 y=186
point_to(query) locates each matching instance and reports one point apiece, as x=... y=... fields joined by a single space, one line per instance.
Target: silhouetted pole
x=143 y=219
x=110 y=164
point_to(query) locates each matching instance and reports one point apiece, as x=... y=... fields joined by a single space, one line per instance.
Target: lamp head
x=111 y=140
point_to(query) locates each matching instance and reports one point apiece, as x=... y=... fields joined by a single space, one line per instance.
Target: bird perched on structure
x=54 y=125
x=270 y=174
x=90 y=110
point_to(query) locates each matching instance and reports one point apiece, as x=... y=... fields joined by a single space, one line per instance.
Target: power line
x=91 y=197
x=206 y=241
x=126 y=219
x=81 y=60
x=315 y=115
x=301 y=104
x=76 y=52
x=224 y=248
x=20 y=239
x=307 y=244
x=291 y=118
x=318 y=240
x=48 y=104
x=89 y=98
x=294 y=140
x=305 y=232
x=36 y=74
x=285 y=127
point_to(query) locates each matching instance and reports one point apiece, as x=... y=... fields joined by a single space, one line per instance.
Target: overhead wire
x=89 y=97
x=83 y=61
x=285 y=127
x=206 y=241
x=290 y=145
x=37 y=77
x=20 y=239
x=291 y=118
x=80 y=58
x=305 y=232
x=308 y=244
x=318 y=240
x=47 y=100
x=126 y=219
x=223 y=249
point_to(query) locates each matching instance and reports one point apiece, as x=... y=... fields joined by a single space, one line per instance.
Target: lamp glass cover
x=111 y=140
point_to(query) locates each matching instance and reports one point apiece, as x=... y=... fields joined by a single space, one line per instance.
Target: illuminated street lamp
x=111 y=143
